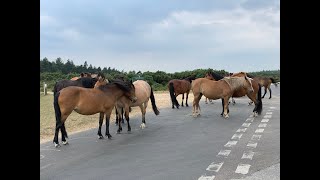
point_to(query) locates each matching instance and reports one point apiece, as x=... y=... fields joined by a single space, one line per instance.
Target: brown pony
x=88 y=102
x=265 y=82
x=209 y=76
x=223 y=88
x=254 y=96
x=178 y=86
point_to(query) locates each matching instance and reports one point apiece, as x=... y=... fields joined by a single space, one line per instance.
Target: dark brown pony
x=224 y=89
x=178 y=86
x=88 y=102
x=265 y=82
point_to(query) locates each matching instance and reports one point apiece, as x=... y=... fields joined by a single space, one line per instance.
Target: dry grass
x=76 y=122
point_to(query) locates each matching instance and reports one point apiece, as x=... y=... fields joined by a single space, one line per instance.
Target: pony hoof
x=100 y=137
x=109 y=136
x=270 y=98
x=143 y=125
x=65 y=142
x=57 y=145
x=206 y=102
x=226 y=116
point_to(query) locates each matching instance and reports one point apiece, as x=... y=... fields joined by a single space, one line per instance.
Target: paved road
x=176 y=146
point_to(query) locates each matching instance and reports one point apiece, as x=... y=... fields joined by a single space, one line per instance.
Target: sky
x=164 y=35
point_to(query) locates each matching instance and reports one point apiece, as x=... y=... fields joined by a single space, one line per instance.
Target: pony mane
x=125 y=86
x=216 y=76
x=235 y=82
x=190 y=78
x=249 y=75
x=87 y=81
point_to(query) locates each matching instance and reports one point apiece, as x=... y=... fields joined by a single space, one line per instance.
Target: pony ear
x=131 y=81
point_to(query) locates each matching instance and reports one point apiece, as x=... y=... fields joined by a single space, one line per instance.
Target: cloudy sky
x=165 y=35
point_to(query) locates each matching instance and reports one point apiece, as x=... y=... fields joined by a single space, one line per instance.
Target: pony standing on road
x=223 y=88
x=176 y=87
x=88 y=102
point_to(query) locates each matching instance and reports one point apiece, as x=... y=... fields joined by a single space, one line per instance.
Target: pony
x=86 y=82
x=223 y=89
x=178 y=86
x=255 y=96
x=265 y=82
x=144 y=92
x=88 y=102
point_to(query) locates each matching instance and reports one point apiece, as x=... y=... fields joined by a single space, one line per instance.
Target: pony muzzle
x=133 y=99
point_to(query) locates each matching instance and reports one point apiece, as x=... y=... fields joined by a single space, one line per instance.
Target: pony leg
x=100 y=124
x=119 y=124
x=117 y=118
x=182 y=99
x=127 y=118
x=56 y=135
x=64 y=135
x=107 y=124
x=122 y=116
x=225 y=107
x=206 y=101
x=143 y=112
x=269 y=92
x=265 y=92
x=233 y=101
x=187 y=99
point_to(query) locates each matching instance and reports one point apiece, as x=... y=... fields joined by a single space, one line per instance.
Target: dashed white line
x=246 y=124
x=248 y=155
x=249 y=120
x=206 y=177
x=265 y=120
x=224 y=153
x=45 y=166
x=272 y=107
x=259 y=131
x=252 y=144
x=262 y=125
x=256 y=137
x=236 y=136
x=267 y=116
x=214 y=166
x=230 y=143
x=241 y=130
x=268 y=112
x=243 y=168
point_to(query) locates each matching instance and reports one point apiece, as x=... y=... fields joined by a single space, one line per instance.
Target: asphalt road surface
x=176 y=146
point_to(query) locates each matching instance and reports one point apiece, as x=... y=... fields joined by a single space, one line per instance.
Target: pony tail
x=57 y=110
x=153 y=103
x=259 y=99
x=55 y=89
x=173 y=97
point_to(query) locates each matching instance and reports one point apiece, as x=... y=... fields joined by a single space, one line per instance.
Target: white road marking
x=45 y=166
x=246 y=124
x=252 y=144
x=230 y=143
x=251 y=115
x=243 y=168
x=50 y=150
x=256 y=137
x=241 y=130
x=248 y=155
x=265 y=120
x=262 y=125
x=267 y=116
x=268 y=112
x=206 y=177
x=272 y=107
x=214 y=166
x=236 y=136
x=249 y=120
x=224 y=153
x=259 y=131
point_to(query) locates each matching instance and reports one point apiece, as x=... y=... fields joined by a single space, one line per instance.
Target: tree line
x=52 y=71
